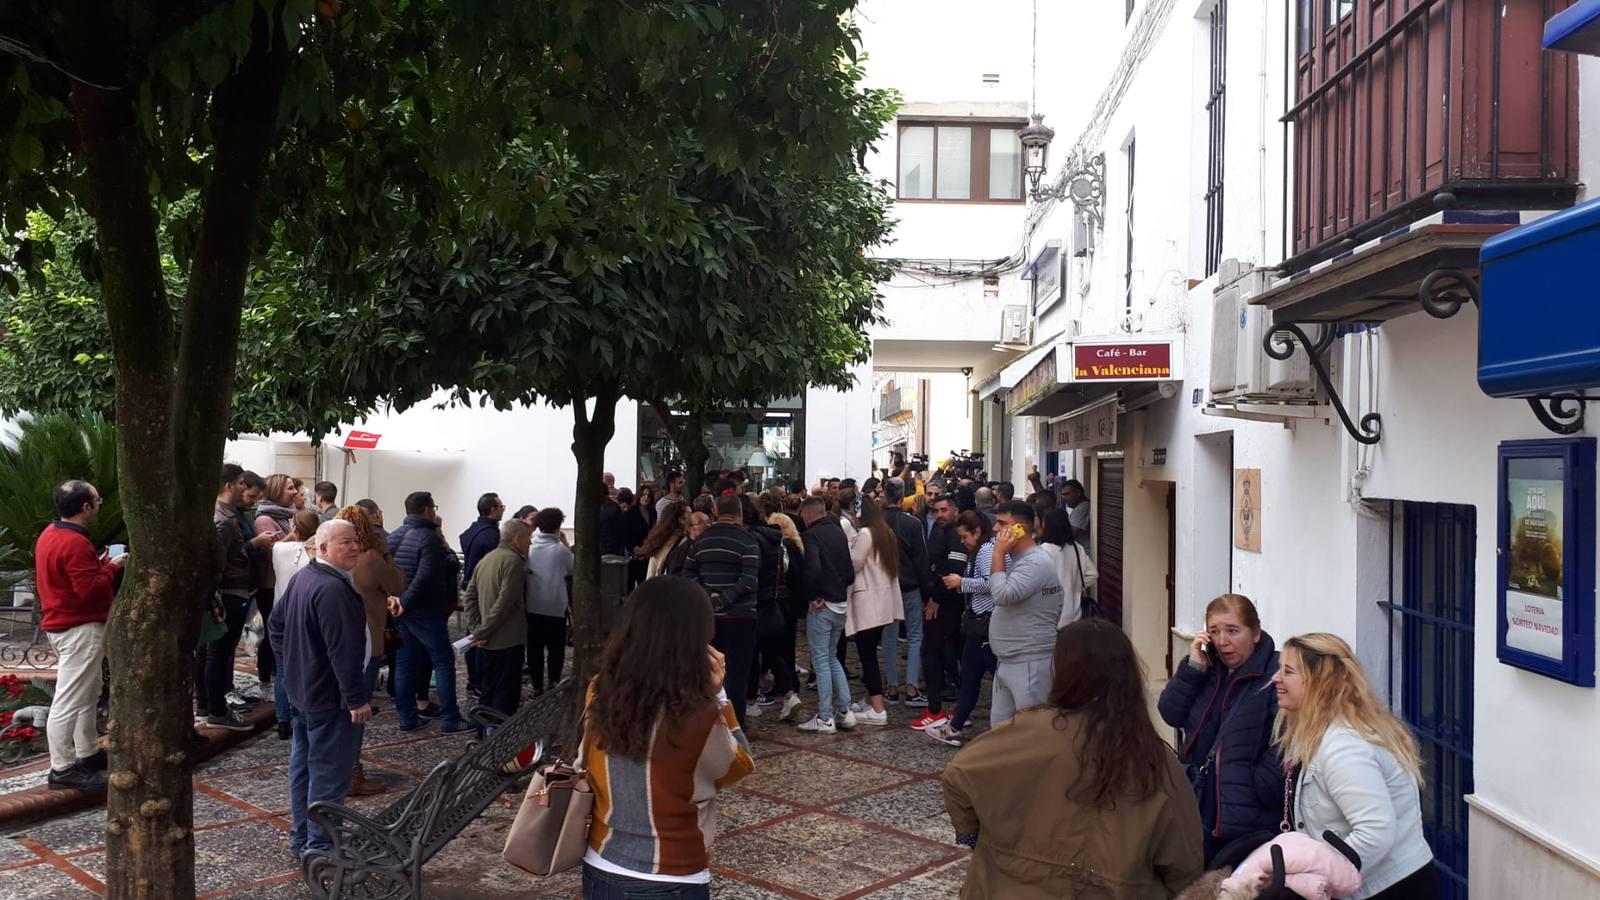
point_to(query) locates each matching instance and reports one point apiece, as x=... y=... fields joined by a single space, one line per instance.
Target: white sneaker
x=873 y=717
x=944 y=734
x=848 y=721
x=859 y=706
x=789 y=706
x=752 y=710
x=818 y=726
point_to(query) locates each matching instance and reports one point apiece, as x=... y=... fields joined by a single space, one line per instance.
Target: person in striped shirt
x=660 y=740
x=977 y=659
x=726 y=560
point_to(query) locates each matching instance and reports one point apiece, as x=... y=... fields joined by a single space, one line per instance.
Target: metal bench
x=380 y=857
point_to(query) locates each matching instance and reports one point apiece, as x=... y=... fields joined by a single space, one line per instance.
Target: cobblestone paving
x=852 y=815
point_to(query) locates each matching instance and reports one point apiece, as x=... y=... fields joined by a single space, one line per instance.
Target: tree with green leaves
x=227 y=134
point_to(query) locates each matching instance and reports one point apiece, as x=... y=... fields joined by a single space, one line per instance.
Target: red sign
x=1122 y=362
x=361 y=440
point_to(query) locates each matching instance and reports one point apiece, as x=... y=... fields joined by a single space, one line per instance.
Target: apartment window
x=960 y=161
x=1216 y=116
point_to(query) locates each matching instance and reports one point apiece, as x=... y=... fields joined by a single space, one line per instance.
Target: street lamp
x=1085 y=181
x=1036 y=140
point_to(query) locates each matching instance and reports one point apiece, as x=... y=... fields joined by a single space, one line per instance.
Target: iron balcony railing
x=1404 y=107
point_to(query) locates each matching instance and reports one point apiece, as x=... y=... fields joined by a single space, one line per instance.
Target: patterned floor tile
x=736 y=810
x=13 y=853
x=68 y=834
x=807 y=778
x=914 y=808
x=821 y=876
x=266 y=789
x=41 y=882
x=225 y=858
x=844 y=840
x=900 y=747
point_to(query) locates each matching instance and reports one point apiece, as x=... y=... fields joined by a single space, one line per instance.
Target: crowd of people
x=938 y=582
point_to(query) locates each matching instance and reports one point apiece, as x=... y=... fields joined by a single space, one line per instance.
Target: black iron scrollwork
x=1565 y=415
x=1445 y=291
x=1279 y=344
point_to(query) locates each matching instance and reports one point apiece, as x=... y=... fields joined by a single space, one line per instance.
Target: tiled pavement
x=853 y=815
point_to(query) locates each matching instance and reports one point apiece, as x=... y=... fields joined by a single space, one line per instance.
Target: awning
x=1382 y=279
x=1008 y=377
x=1575 y=29
x=1538 y=333
x=1091 y=369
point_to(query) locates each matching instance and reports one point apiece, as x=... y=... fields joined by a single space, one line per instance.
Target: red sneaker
x=928 y=720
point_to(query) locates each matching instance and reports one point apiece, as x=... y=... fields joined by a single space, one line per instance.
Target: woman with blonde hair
x=1353 y=768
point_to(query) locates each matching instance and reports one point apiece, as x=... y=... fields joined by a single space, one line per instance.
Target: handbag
x=1086 y=601
x=551 y=832
x=972 y=624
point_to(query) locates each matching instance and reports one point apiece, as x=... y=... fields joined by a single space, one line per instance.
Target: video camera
x=918 y=462
x=964 y=464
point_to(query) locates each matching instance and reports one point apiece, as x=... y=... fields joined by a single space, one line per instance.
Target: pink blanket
x=1314 y=870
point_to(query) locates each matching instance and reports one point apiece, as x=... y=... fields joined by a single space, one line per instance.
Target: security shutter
x=1108 y=527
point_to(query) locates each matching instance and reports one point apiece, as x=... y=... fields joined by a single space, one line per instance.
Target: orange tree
x=219 y=149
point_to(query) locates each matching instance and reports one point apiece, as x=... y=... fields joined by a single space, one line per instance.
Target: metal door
x=1108 y=528
x=1435 y=616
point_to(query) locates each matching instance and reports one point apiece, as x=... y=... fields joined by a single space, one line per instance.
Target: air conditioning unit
x=1014 y=325
x=1241 y=371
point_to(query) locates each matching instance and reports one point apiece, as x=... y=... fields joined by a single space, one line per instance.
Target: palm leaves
x=39 y=453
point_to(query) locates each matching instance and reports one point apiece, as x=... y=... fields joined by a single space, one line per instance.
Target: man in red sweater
x=75 y=586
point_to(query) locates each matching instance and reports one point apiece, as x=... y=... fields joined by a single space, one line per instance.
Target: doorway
x=1436 y=639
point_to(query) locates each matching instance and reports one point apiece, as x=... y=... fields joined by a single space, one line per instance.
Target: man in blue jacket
x=422 y=613
x=319 y=631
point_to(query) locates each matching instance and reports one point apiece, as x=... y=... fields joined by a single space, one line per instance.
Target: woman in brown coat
x=1078 y=797
x=376 y=578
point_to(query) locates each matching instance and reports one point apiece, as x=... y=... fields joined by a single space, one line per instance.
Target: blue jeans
x=320 y=760
x=599 y=885
x=426 y=635
x=359 y=732
x=912 y=601
x=280 y=701
x=824 y=628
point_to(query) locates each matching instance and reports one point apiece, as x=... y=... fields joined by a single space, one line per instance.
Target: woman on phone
x=1354 y=768
x=660 y=739
x=1222 y=698
x=1078 y=797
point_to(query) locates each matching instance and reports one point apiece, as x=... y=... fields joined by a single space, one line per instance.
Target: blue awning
x=1539 y=328
x=1576 y=29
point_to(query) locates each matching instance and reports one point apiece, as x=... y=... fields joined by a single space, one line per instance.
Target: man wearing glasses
x=76 y=586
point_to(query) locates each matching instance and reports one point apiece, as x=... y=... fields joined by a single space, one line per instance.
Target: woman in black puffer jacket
x=1223 y=698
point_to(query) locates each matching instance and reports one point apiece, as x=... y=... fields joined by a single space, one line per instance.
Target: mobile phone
x=116 y=550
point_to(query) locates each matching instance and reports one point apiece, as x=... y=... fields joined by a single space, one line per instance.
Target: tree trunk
x=690 y=438
x=590 y=434
x=172 y=399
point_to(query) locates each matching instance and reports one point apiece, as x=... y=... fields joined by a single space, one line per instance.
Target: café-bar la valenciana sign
x=1127 y=361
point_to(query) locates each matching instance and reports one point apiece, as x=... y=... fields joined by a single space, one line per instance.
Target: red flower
x=14 y=691
x=5 y=718
x=26 y=734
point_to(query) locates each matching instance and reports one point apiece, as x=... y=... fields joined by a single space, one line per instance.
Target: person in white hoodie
x=1353 y=769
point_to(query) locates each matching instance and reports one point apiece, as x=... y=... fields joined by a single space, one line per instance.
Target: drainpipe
x=1261 y=137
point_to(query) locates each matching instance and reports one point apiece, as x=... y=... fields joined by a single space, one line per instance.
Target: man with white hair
x=495 y=604
x=319 y=632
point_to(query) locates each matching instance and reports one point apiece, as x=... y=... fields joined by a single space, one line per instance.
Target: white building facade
x=1239 y=167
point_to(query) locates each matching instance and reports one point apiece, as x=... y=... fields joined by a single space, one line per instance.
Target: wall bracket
x=1279 y=344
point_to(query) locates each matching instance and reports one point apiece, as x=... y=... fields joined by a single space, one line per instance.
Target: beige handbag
x=551 y=831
